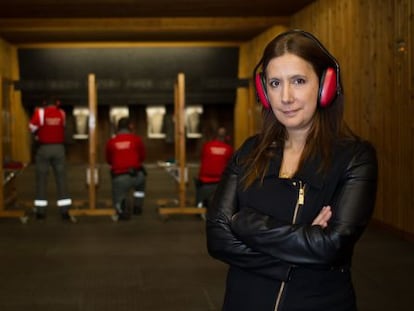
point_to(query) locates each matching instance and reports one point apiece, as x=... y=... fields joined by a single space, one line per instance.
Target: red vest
x=125 y=151
x=49 y=125
x=214 y=158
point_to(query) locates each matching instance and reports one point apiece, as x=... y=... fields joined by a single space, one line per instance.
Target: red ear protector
x=260 y=83
x=329 y=86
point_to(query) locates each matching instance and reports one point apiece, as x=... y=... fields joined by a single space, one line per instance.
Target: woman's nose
x=286 y=94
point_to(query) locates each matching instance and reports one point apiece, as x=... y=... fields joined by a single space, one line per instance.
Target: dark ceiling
x=46 y=21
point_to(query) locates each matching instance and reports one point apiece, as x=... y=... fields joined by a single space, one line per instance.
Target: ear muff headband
x=329 y=86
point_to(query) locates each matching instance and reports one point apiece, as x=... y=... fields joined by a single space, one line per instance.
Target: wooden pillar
x=92 y=178
x=181 y=156
x=180 y=153
x=92 y=170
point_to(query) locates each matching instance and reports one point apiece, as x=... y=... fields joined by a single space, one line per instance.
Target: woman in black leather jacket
x=297 y=196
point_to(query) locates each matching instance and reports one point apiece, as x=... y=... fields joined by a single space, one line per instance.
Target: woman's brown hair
x=328 y=125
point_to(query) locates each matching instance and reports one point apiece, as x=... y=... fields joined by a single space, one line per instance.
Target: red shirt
x=49 y=125
x=125 y=151
x=214 y=158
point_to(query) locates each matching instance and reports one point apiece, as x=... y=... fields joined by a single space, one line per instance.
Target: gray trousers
x=51 y=155
x=123 y=185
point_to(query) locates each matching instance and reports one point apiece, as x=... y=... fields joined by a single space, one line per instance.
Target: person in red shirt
x=48 y=126
x=125 y=153
x=215 y=155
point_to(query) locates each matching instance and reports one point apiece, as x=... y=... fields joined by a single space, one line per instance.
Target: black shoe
x=125 y=213
x=40 y=216
x=124 y=216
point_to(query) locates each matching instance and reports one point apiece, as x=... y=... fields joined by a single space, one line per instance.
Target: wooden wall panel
x=365 y=36
x=403 y=100
x=5 y=74
x=5 y=52
x=20 y=144
x=20 y=130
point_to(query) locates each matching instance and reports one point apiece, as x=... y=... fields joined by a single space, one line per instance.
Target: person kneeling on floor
x=125 y=153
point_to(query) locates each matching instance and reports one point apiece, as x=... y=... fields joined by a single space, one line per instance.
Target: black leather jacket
x=266 y=230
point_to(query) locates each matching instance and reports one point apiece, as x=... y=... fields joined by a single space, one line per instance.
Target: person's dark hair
x=124 y=123
x=50 y=100
x=221 y=133
x=328 y=123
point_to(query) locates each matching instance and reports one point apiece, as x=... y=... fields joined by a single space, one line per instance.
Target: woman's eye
x=274 y=83
x=299 y=81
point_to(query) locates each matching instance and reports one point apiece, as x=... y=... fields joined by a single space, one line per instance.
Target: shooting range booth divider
x=180 y=154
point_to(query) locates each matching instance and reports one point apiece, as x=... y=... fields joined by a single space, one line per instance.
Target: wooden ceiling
x=57 y=21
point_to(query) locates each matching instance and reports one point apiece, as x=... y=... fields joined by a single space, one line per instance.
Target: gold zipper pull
x=301 y=199
x=299 y=202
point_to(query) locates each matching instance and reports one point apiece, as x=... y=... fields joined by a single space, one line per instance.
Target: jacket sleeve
x=353 y=205
x=222 y=243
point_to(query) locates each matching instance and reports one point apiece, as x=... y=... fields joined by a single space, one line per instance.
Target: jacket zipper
x=279 y=295
x=299 y=203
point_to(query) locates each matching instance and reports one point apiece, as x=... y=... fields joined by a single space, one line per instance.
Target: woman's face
x=292 y=88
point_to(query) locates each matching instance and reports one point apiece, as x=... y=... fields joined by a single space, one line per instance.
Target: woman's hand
x=323 y=217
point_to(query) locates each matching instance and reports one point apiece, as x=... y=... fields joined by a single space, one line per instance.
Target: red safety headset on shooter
x=329 y=86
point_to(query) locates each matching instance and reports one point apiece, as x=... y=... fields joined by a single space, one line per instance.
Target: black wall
x=129 y=76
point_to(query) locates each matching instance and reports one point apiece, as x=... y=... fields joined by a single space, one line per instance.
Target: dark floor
x=150 y=264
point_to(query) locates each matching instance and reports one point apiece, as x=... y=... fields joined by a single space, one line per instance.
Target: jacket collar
x=309 y=173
